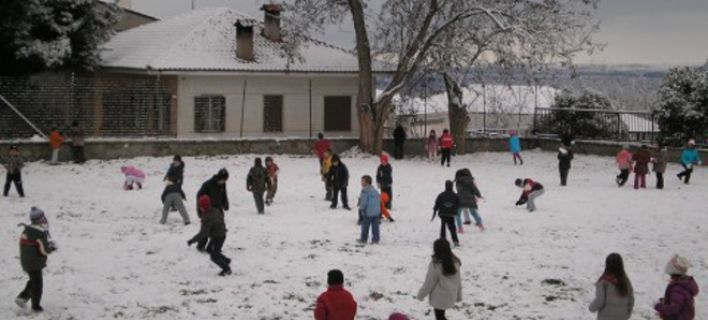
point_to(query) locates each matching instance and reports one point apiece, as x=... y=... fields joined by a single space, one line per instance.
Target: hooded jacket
x=34 y=247
x=216 y=192
x=176 y=171
x=565 y=156
x=467 y=192
x=257 y=179
x=14 y=164
x=370 y=202
x=443 y=290
x=641 y=161
x=446 y=141
x=55 y=140
x=339 y=175
x=213 y=225
x=690 y=156
x=515 y=144
x=678 y=303
x=624 y=160
x=384 y=174
x=335 y=304
x=660 y=161
x=447 y=203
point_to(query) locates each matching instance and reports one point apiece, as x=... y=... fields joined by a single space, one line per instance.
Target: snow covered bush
x=36 y=35
x=593 y=123
x=682 y=105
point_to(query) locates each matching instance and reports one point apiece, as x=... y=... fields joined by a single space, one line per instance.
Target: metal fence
x=596 y=124
x=140 y=106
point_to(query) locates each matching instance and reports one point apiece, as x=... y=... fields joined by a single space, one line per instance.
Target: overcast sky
x=652 y=32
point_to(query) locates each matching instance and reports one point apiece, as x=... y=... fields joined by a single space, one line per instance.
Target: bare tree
x=407 y=30
x=523 y=39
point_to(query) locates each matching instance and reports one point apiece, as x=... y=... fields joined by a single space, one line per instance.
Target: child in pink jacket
x=133 y=175
x=624 y=163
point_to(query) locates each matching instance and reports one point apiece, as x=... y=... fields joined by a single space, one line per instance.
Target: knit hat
x=223 y=174
x=204 y=203
x=384 y=158
x=691 y=142
x=518 y=182
x=677 y=265
x=36 y=214
x=397 y=316
x=563 y=150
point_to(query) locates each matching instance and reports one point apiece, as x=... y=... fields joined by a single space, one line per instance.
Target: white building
x=227 y=74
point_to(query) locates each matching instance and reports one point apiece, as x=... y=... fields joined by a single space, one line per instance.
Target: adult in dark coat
x=384 y=178
x=34 y=248
x=214 y=228
x=339 y=179
x=399 y=137
x=565 y=156
x=257 y=182
x=641 y=160
x=215 y=188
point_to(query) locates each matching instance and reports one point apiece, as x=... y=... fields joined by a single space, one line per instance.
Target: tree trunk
x=457 y=112
x=369 y=133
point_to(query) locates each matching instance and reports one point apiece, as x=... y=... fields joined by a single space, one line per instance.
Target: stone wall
x=129 y=148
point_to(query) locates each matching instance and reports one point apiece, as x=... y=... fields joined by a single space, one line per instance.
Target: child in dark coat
x=659 y=161
x=13 y=164
x=176 y=170
x=565 y=156
x=173 y=197
x=384 y=178
x=641 y=167
x=215 y=189
x=446 y=205
x=339 y=179
x=468 y=193
x=35 y=246
x=678 y=301
x=213 y=228
x=257 y=183
x=531 y=191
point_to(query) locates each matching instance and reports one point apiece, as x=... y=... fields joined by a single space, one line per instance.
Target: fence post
x=619 y=126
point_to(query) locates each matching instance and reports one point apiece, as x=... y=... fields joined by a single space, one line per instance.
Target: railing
x=596 y=124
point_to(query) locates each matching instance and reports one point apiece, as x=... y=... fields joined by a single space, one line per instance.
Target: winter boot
x=460 y=230
x=481 y=227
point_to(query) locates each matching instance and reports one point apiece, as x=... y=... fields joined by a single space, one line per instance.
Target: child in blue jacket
x=689 y=158
x=515 y=145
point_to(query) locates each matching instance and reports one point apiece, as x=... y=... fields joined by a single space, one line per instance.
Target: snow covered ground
x=116 y=261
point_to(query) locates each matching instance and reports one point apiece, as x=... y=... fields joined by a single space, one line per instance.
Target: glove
x=189 y=243
x=518 y=203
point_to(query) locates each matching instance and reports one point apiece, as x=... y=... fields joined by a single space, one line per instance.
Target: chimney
x=125 y=4
x=244 y=39
x=272 y=21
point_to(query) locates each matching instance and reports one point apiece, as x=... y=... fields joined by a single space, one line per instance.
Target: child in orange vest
x=55 y=141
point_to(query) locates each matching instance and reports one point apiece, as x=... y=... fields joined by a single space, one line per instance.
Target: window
x=209 y=113
x=338 y=113
x=273 y=113
x=135 y=111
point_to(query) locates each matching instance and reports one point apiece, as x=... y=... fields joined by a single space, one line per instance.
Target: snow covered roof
x=500 y=98
x=205 y=40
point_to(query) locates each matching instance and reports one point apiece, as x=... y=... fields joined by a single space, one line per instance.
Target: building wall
x=295 y=90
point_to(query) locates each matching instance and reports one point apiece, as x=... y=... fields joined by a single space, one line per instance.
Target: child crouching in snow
x=173 y=197
x=133 y=175
x=531 y=191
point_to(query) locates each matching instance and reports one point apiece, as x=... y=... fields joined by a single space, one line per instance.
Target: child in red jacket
x=336 y=303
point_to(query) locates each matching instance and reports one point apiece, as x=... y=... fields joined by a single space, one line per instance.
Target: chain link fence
x=102 y=105
x=596 y=124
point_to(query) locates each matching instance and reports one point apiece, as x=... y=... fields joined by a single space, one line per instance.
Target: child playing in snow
x=55 y=141
x=13 y=164
x=338 y=177
x=133 y=175
x=273 y=171
x=432 y=145
x=213 y=228
x=257 y=183
x=468 y=193
x=324 y=173
x=369 y=211
x=614 y=296
x=531 y=191
x=446 y=144
x=35 y=246
x=176 y=170
x=565 y=156
x=659 y=162
x=689 y=158
x=641 y=167
x=446 y=207
x=173 y=197
x=384 y=211
x=678 y=301
x=515 y=146
x=624 y=163
x=384 y=178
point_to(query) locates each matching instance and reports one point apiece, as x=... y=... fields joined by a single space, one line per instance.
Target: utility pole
x=193 y=4
x=425 y=106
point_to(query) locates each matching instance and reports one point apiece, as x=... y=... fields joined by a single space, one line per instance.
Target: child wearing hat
x=13 y=164
x=35 y=246
x=531 y=191
x=173 y=197
x=678 y=300
x=213 y=228
x=689 y=158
